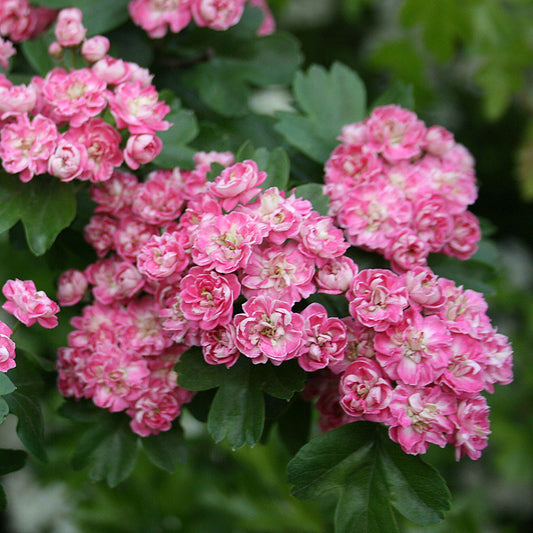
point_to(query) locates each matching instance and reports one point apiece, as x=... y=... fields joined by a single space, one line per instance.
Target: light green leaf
x=4 y=410
x=313 y=193
x=6 y=385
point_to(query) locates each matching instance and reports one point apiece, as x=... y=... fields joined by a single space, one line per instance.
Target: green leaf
x=215 y=172
x=398 y=93
x=36 y=52
x=99 y=16
x=3 y=499
x=184 y=129
x=197 y=375
x=45 y=205
x=6 y=385
x=237 y=413
x=11 y=460
x=476 y=275
x=277 y=169
x=245 y=151
x=50 y=208
x=294 y=424
x=4 y=410
x=109 y=449
x=80 y=411
x=313 y=193
x=281 y=381
x=370 y=478
x=114 y=458
x=30 y=423
x=167 y=449
x=328 y=100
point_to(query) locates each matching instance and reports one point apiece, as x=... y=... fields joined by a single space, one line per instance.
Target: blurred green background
x=470 y=64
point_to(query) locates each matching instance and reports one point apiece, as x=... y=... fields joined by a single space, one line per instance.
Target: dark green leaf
x=214 y=173
x=45 y=205
x=30 y=423
x=417 y=490
x=11 y=460
x=398 y=93
x=470 y=274
x=12 y=201
x=114 y=458
x=167 y=449
x=3 y=499
x=313 y=193
x=238 y=410
x=80 y=411
x=245 y=151
x=89 y=441
x=6 y=385
x=281 y=381
x=295 y=424
x=370 y=477
x=197 y=375
x=36 y=52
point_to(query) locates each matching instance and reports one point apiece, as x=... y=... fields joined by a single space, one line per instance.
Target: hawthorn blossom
x=7 y=50
x=217 y=14
x=28 y=305
x=69 y=29
x=7 y=348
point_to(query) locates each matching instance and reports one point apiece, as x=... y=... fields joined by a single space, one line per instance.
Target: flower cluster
x=19 y=20
x=402 y=189
x=420 y=351
x=187 y=262
x=157 y=17
x=55 y=124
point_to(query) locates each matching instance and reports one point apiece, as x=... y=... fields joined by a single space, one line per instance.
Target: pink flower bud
x=141 y=149
x=69 y=29
x=55 y=50
x=95 y=48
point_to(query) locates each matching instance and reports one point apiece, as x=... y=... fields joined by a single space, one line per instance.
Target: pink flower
x=71 y=287
x=325 y=339
x=377 y=298
x=161 y=256
x=137 y=108
x=395 y=132
x=320 y=238
x=157 y=16
x=17 y=99
x=73 y=97
x=112 y=71
x=29 y=305
x=225 y=242
x=102 y=143
x=207 y=297
x=7 y=348
x=268 y=330
x=282 y=272
x=335 y=276
x=364 y=389
x=6 y=51
x=25 y=146
x=238 y=184
x=141 y=149
x=464 y=237
x=159 y=199
x=218 y=345
x=115 y=195
x=472 y=427
x=415 y=351
x=217 y=14
x=69 y=30
x=69 y=160
x=95 y=48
